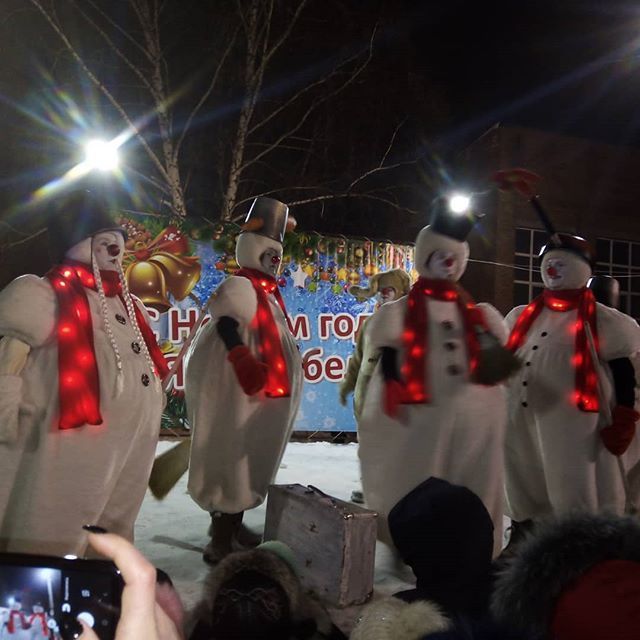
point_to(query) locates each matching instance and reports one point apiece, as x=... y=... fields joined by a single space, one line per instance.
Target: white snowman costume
x=458 y=435
x=53 y=480
x=238 y=438
x=14 y=624
x=555 y=459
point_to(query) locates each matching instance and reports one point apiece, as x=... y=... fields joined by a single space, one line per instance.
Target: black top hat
x=450 y=223
x=574 y=244
x=267 y=217
x=77 y=216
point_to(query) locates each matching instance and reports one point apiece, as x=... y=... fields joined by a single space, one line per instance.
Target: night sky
x=447 y=70
x=561 y=65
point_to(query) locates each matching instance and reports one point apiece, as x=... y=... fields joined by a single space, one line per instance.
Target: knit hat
x=256 y=594
x=76 y=216
x=396 y=278
x=391 y=619
x=552 y=581
x=445 y=534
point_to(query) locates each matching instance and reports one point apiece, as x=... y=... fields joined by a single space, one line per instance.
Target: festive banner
x=174 y=271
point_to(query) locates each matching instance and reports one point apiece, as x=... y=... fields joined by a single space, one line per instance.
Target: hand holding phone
x=140 y=616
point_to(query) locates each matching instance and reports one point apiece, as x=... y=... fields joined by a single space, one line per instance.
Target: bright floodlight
x=459 y=203
x=101 y=155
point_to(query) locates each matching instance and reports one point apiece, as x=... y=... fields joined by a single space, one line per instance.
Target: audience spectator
x=257 y=595
x=445 y=534
x=576 y=579
x=141 y=615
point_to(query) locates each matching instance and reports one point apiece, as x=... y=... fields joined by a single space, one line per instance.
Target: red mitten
x=618 y=435
x=251 y=373
x=393 y=393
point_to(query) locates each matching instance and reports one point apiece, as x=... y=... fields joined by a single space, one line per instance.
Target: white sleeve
x=28 y=310
x=618 y=333
x=495 y=322
x=236 y=299
x=512 y=317
x=385 y=326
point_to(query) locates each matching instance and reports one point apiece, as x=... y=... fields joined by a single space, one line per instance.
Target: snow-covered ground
x=172 y=533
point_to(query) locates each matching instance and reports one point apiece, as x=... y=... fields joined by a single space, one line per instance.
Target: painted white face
x=108 y=248
x=443 y=265
x=387 y=294
x=270 y=261
x=16 y=606
x=562 y=269
x=37 y=609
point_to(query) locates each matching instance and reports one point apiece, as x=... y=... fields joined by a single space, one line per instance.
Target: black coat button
x=145 y=379
x=121 y=319
x=454 y=370
x=450 y=346
x=135 y=347
x=447 y=324
x=524 y=384
x=535 y=346
x=527 y=364
x=524 y=404
x=544 y=334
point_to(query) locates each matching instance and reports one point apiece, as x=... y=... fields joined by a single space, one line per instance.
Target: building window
x=621 y=259
x=527 y=283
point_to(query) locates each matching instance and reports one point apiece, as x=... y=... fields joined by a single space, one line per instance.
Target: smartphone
x=41 y=597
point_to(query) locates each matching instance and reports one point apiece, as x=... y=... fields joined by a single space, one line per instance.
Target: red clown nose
x=552 y=271
x=113 y=250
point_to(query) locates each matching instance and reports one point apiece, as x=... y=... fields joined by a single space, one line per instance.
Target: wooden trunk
x=334 y=542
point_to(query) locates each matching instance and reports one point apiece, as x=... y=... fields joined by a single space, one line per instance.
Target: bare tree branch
x=105 y=91
x=352 y=77
x=107 y=18
x=112 y=45
x=283 y=38
x=205 y=95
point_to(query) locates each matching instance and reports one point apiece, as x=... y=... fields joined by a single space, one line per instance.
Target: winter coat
x=237 y=440
x=53 y=481
x=393 y=619
x=546 y=564
x=361 y=367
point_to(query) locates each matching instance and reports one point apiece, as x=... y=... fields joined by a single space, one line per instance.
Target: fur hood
x=527 y=589
x=396 y=278
x=307 y=614
x=393 y=619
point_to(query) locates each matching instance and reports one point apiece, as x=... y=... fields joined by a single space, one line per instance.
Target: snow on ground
x=172 y=533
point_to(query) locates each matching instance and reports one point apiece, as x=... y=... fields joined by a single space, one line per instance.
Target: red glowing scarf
x=78 y=375
x=43 y=622
x=11 y=627
x=586 y=381
x=270 y=345
x=416 y=328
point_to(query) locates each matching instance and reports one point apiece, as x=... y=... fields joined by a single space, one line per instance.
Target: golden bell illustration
x=146 y=280
x=181 y=273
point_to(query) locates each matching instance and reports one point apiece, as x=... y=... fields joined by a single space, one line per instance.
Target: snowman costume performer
x=15 y=625
x=243 y=383
x=561 y=444
x=426 y=413
x=80 y=399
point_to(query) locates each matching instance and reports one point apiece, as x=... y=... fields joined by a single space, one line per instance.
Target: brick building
x=588 y=188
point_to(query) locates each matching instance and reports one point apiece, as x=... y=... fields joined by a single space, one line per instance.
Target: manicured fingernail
x=94 y=528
